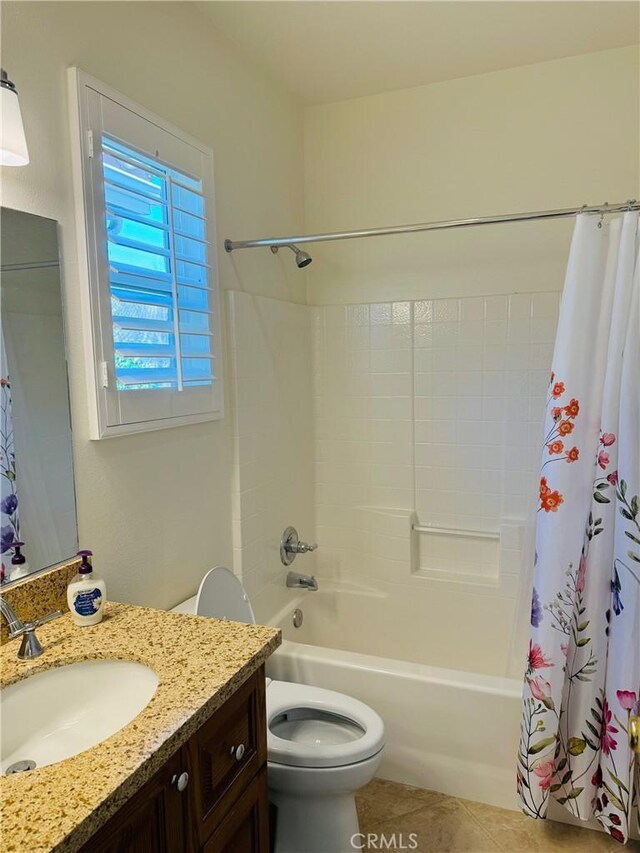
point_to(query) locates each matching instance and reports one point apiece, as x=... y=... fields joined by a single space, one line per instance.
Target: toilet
x=322 y=746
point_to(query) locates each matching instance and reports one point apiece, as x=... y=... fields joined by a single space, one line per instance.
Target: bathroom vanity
x=210 y=796
x=188 y=773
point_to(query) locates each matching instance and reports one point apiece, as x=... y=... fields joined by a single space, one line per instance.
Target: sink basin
x=56 y=714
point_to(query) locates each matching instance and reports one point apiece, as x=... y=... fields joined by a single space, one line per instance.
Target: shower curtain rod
x=231 y=245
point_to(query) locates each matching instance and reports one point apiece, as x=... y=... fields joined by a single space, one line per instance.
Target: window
x=148 y=234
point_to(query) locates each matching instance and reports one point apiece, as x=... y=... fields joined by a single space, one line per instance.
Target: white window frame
x=204 y=403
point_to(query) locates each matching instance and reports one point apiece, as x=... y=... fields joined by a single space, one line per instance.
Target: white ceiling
x=331 y=51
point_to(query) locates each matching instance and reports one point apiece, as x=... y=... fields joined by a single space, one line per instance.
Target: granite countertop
x=199 y=662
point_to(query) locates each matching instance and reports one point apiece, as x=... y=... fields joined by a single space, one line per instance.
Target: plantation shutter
x=158 y=273
x=154 y=284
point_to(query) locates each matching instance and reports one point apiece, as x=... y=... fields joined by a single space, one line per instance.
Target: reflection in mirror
x=37 y=506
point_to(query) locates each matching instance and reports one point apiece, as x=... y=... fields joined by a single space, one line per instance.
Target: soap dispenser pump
x=19 y=565
x=86 y=593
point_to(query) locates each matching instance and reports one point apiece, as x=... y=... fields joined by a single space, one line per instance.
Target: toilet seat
x=222 y=596
x=306 y=726
x=313 y=727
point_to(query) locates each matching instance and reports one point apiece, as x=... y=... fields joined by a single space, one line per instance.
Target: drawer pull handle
x=180 y=781
x=238 y=751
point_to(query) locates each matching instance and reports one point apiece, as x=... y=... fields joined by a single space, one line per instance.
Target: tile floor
x=449 y=825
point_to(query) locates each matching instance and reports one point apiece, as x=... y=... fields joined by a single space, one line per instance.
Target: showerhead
x=302 y=258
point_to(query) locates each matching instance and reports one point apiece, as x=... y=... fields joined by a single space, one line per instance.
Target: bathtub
x=447 y=729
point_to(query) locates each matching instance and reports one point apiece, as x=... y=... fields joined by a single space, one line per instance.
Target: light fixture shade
x=13 y=145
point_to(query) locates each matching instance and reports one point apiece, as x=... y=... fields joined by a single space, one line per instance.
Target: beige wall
x=156 y=507
x=550 y=135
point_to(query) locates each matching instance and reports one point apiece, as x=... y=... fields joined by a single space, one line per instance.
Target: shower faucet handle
x=290 y=546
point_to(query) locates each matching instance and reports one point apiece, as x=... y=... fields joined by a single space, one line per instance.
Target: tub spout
x=295 y=579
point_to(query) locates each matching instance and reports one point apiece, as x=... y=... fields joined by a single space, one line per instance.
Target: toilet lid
x=312 y=727
x=222 y=596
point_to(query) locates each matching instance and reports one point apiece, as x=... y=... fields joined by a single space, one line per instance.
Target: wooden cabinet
x=224 y=756
x=210 y=796
x=245 y=829
x=152 y=821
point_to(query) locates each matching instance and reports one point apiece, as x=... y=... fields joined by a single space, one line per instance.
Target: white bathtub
x=447 y=730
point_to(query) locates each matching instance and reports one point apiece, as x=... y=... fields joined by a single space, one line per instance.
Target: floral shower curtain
x=9 y=517
x=582 y=681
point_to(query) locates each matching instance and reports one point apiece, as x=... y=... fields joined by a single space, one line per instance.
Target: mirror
x=37 y=504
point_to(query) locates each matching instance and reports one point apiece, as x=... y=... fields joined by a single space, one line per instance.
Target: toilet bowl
x=322 y=746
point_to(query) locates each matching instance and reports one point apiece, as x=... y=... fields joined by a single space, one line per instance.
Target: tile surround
x=272 y=432
x=426 y=411
x=445 y=421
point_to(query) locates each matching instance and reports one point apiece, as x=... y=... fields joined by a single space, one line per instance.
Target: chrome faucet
x=13 y=623
x=291 y=545
x=295 y=579
x=30 y=647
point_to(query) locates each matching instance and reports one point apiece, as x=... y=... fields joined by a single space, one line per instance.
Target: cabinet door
x=225 y=754
x=246 y=828
x=152 y=821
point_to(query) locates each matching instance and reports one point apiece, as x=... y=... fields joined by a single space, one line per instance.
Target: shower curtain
x=582 y=681
x=9 y=515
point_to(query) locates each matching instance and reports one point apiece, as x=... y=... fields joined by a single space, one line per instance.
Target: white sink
x=53 y=715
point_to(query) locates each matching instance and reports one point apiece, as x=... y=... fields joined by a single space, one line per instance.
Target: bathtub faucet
x=295 y=579
x=291 y=545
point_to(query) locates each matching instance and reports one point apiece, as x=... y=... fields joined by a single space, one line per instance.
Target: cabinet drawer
x=246 y=827
x=226 y=753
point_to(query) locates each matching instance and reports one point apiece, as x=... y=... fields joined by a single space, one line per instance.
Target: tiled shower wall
x=434 y=407
x=272 y=424
x=424 y=412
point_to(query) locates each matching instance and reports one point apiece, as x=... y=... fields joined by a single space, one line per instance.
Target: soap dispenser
x=86 y=593
x=19 y=565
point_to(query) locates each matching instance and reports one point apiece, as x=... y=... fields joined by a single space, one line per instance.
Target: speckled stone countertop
x=199 y=662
